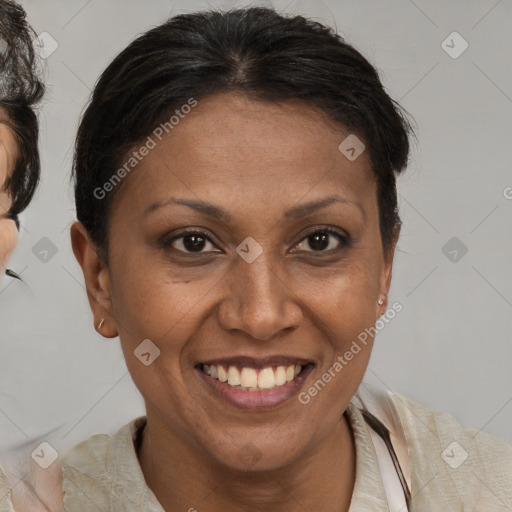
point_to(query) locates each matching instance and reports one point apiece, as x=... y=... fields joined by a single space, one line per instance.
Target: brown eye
x=192 y=242
x=323 y=240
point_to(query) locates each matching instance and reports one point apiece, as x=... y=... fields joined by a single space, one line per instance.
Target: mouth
x=252 y=384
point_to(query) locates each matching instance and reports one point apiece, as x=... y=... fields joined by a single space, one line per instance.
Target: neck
x=182 y=477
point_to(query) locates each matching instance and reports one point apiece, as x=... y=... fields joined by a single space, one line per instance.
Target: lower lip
x=256 y=400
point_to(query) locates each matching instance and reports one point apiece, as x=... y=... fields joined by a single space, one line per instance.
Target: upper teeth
x=251 y=379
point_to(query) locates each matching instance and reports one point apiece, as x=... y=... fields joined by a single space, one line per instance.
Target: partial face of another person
x=244 y=234
x=8 y=155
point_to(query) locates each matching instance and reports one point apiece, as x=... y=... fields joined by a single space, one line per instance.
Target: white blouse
x=452 y=468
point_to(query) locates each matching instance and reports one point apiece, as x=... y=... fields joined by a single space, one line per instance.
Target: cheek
x=342 y=306
x=344 y=296
x=347 y=320
x=150 y=304
x=8 y=239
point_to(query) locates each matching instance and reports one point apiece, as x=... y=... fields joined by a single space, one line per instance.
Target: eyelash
x=341 y=236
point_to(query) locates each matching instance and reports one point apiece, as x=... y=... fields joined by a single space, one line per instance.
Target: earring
x=100 y=324
x=380 y=302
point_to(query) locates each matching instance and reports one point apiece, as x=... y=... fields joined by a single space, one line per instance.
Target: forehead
x=230 y=147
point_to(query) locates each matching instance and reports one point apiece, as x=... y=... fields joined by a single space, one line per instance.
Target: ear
x=387 y=271
x=97 y=280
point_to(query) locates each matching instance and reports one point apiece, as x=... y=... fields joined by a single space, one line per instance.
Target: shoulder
x=444 y=431
x=96 y=451
x=105 y=469
x=453 y=463
x=5 y=493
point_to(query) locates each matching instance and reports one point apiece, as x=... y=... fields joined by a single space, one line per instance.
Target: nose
x=259 y=300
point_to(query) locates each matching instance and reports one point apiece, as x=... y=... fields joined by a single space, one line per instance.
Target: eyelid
x=340 y=234
x=167 y=240
x=342 y=237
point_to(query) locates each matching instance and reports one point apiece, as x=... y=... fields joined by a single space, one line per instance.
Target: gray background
x=450 y=346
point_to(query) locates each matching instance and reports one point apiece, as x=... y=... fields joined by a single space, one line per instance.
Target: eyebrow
x=296 y=212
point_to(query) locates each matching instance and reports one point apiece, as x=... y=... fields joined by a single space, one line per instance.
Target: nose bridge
x=261 y=279
x=259 y=300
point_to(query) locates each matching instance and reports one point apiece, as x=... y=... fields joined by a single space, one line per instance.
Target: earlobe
x=97 y=280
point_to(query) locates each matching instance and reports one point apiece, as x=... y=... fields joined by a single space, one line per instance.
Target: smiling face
x=8 y=154
x=233 y=169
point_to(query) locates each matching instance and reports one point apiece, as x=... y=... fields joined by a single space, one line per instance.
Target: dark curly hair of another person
x=20 y=90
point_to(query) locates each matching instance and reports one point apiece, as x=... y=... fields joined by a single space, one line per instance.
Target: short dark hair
x=20 y=90
x=253 y=51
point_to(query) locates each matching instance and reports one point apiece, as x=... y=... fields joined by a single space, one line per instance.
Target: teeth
x=266 y=379
x=233 y=376
x=251 y=379
x=280 y=376
x=223 y=376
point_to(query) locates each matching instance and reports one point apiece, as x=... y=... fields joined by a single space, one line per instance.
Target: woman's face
x=8 y=154
x=258 y=180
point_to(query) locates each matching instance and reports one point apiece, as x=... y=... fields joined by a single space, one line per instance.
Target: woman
x=20 y=90
x=237 y=221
